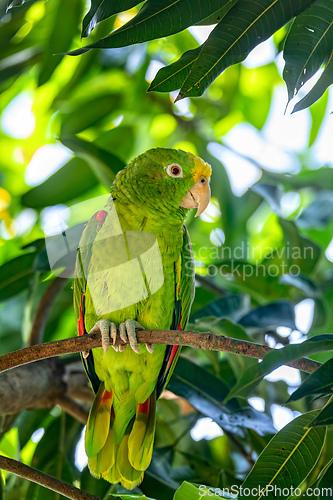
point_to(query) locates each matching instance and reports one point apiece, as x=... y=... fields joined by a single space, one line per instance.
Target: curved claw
x=128 y=334
x=106 y=328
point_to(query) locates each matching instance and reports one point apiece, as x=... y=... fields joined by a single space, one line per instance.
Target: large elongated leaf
x=325 y=417
x=205 y=392
x=217 y=16
x=271 y=193
x=319 y=382
x=325 y=80
x=157 y=18
x=59 y=39
x=102 y=9
x=61 y=186
x=308 y=44
x=280 y=313
x=318 y=213
x=188 y=491
x=301 y=254
x=104 y=164
x=255 y=373
x=15 y=275
x=287 y=459
x=173 y=76
x=245 y=26
x=232 y=306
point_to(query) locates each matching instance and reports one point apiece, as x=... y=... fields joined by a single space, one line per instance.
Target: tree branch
x=50 y=482
x=73 y=408
x=191 y=338
x=53 y=383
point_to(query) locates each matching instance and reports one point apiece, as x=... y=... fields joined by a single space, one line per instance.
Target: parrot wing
x=184 y=293
x=80 y=285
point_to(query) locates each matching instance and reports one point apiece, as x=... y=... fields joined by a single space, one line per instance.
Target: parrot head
x=168 y=180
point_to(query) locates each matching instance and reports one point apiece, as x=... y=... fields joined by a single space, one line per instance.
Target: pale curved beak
x=198 y=196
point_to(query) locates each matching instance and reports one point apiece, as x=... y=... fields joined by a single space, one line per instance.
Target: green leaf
x=245 y=26
x=61 y=186
x=303 y=283
x=155 y=20
x=318 y=213
x=280 y=313
x=319 y=382
x=102 y=9
x=271 y=193
x=92 y=485
x=129 y=496
x=308 y=45
x=301 y=254
x=217 y=16
x=232 y=306
x=2 y=488
x=105 y=165
x=88 y=111
x=317 y=111
x=120 y=139
x=16 y=64
x=15 y=275
x=325 y=417
x=325 y=479
x=59 y=39
x=325 y=80
x=254 y=374
x=173 y=76
x=221 y=327
x=205 y=392
x=188 y=491
x=287 y=459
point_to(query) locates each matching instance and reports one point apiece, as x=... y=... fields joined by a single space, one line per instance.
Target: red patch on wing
x=175 y=347
x=107 y=396
x=101 y=215
x=144 y=407
x=172 y=355
x=80 y=320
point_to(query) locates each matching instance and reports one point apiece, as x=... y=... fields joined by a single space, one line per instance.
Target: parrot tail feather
x=98 y=424
x=141 y=438
x=121 y=460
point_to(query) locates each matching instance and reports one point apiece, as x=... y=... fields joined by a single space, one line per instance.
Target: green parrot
x=134 y=269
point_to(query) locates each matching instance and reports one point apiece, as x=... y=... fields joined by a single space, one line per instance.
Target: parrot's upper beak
x=197 y=196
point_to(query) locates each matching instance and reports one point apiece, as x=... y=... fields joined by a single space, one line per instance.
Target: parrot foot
x=107 y=329
x=127 y=334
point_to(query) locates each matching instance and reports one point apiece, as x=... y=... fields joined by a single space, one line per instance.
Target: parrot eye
x=174 y=170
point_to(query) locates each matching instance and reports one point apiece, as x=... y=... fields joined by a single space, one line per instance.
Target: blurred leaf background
x=263 y=249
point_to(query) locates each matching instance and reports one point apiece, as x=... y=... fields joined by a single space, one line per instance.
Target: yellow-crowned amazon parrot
x=134 y=269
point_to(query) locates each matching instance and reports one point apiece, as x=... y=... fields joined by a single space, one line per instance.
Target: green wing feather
x=184 y=295
x=80 y=285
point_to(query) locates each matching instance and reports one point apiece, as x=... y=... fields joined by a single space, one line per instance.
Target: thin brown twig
x=49 y=482
x=43 y=310
x=199 y=340
x=73 y=408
